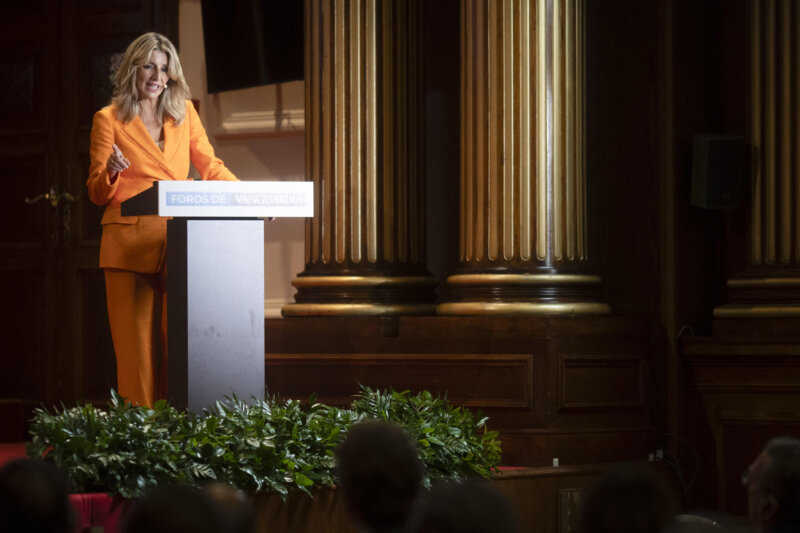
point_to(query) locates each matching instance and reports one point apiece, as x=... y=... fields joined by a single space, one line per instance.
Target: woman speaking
x=149 y=132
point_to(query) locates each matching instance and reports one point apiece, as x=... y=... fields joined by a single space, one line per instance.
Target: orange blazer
x=138 y=243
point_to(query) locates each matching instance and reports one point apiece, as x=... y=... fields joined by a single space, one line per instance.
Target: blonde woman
x=149 y=132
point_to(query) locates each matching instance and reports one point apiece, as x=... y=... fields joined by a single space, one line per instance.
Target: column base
x=524 y=294
x=762 y=297
x=362 y=296
x=299 y=310
x=758 y=311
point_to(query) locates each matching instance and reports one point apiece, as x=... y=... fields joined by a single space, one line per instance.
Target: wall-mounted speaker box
x=719 y=163
x=252 y=42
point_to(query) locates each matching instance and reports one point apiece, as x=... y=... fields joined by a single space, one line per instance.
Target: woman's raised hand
x=116 y=162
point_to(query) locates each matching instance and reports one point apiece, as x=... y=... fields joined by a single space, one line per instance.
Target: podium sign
x=215 y=281
x=224 y=199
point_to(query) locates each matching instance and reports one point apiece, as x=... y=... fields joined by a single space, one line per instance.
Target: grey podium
x=215 y=281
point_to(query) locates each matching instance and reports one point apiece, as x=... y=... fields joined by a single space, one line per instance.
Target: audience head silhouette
x=773 y=486
x=234 y=506
x=34 y=498
x=380 y=475
x=174 y=510
x=629 y=498
x=473 y=506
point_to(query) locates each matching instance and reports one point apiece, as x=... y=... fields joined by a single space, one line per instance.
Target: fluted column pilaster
x=523 y=246
x=770 y=285
x=365 y=244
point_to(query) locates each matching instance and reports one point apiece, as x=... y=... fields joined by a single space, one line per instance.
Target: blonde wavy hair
x=171 y=102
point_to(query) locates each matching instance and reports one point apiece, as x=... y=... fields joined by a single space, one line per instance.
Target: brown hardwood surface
x=741 y=392
x=575 y=388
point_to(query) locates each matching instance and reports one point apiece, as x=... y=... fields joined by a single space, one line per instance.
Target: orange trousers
x=134 y=300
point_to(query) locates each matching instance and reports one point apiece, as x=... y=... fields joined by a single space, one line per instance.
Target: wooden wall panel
x=742 y=392
x=596 y=382
x=54 y=56
x=503 y=381
x=552 y=386
x=24 y=354
x=740 y=440
x=23 y=66
x=24 y=176
x=572 y=446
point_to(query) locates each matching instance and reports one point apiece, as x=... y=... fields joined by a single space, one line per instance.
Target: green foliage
x=452 y=442
x=126 y=449
x=273 y=445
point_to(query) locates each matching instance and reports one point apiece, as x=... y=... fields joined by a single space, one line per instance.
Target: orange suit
x=132 y=249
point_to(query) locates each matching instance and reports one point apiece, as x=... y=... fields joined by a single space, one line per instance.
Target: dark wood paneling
x=25 y=350
x=484 y=381
x=92 y=7
x=54 y=57
x=23 y=66
x=550 y=385
x=740 y=440
x=11 y=413
x=98 y=57
x=539 y=495
x=600 y=444
x=597 y=381
x=743 y=391
x=23 y=177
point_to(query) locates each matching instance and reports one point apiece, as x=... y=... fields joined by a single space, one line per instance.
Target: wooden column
x=365 y=245
x=523 y=243
x=770 y=285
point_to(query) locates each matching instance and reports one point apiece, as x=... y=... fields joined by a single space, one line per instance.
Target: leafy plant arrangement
x=452 y=442
x=273 y=445
x=126 y=450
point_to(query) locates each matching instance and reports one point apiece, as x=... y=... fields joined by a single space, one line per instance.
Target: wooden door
x=29 y=232
x=56 y=57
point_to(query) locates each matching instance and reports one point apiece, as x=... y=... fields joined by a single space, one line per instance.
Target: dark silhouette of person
x=472 y=506
x=380 y=474
x=235 y=507
x=34 y=498
x=629 y=498
x=173 y=509
x=773 y=487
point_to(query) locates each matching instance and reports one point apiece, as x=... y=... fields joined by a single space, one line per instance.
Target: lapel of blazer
x=173 y=136
x=137 y=133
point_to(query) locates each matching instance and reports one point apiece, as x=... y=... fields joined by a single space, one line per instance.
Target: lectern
x=215 y=281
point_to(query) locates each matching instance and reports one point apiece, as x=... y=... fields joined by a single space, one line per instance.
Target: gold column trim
x=363 y=281
x=764 y=282
x=769 y=148
x=523 y=308
x=543 y=131
x=796 y=90
x=786 y=137
x=523 y=279
x=301 y=310
x=758 y=311
x=755 y=57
